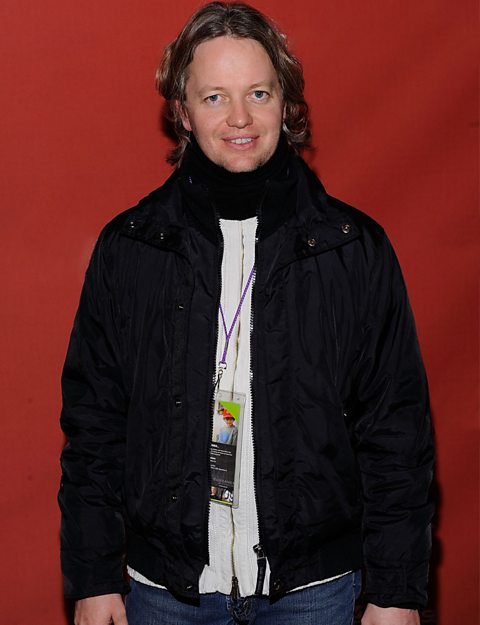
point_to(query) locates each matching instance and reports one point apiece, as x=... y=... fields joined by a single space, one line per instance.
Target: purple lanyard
x=222 y=365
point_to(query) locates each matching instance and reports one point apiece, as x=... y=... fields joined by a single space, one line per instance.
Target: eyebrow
x=265 y=83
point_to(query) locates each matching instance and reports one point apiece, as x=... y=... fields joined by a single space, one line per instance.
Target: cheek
x=273 y=119
x=200 y=121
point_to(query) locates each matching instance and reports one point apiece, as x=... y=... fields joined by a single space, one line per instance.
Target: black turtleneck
x=235 y=195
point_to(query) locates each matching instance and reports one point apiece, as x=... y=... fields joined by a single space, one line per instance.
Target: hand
x=101 y=610
x=374 y=615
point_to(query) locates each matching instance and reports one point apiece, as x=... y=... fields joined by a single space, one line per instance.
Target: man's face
x=228 y=421
x=234 y=104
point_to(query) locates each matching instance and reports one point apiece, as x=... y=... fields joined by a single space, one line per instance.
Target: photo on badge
x=225 y=448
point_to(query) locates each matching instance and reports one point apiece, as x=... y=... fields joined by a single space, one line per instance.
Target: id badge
x=226 y=447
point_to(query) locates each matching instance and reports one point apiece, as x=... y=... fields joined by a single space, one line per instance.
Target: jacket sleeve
x=93 y=420
x=393 y=442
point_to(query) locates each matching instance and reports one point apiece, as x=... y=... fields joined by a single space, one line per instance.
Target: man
x=240 y=275
x=228 y=434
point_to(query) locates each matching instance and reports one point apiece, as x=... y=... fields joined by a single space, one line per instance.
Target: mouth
x=240 y=140
x=241 y=143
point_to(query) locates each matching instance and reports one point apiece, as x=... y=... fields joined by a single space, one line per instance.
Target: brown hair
x=218 y=19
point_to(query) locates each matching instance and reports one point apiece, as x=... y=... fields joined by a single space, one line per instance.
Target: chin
x=240 y=166
x=240 y=169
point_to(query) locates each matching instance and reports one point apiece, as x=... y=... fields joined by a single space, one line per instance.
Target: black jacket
x=343 y=451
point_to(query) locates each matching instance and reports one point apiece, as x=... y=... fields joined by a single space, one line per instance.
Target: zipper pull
x=235 y=592
x=261 y=569
x=221 y=368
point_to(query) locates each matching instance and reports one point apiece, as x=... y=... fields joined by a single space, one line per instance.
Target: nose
x=238 y=115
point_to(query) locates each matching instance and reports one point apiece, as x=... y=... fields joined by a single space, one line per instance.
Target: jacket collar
x=277 y=203
x=297 y=204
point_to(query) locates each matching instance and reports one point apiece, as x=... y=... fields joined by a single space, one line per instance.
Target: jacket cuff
x=106 y=589
x=397 y=587
x=83 y=578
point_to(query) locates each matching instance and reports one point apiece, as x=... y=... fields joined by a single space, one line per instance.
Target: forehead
x=230 y=60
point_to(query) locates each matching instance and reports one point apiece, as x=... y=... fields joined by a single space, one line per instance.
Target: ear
x=183 y=114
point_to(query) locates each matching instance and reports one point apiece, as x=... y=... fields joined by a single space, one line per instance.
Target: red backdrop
x=392 y=87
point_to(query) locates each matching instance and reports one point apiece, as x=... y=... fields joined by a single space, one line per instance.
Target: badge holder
x=226 y=447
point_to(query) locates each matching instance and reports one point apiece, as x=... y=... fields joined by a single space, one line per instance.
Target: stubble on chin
x=246 y=167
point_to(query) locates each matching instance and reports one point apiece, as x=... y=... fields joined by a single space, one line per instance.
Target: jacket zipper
x=235 y=591
x=261 y=559
x=214 y=385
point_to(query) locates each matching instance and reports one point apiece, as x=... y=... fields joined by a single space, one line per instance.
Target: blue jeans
x=331 y=603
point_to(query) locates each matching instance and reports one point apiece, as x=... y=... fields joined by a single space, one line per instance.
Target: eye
x=259 y=94
x=212 y=98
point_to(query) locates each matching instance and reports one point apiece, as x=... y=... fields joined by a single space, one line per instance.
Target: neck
x=235 y=195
